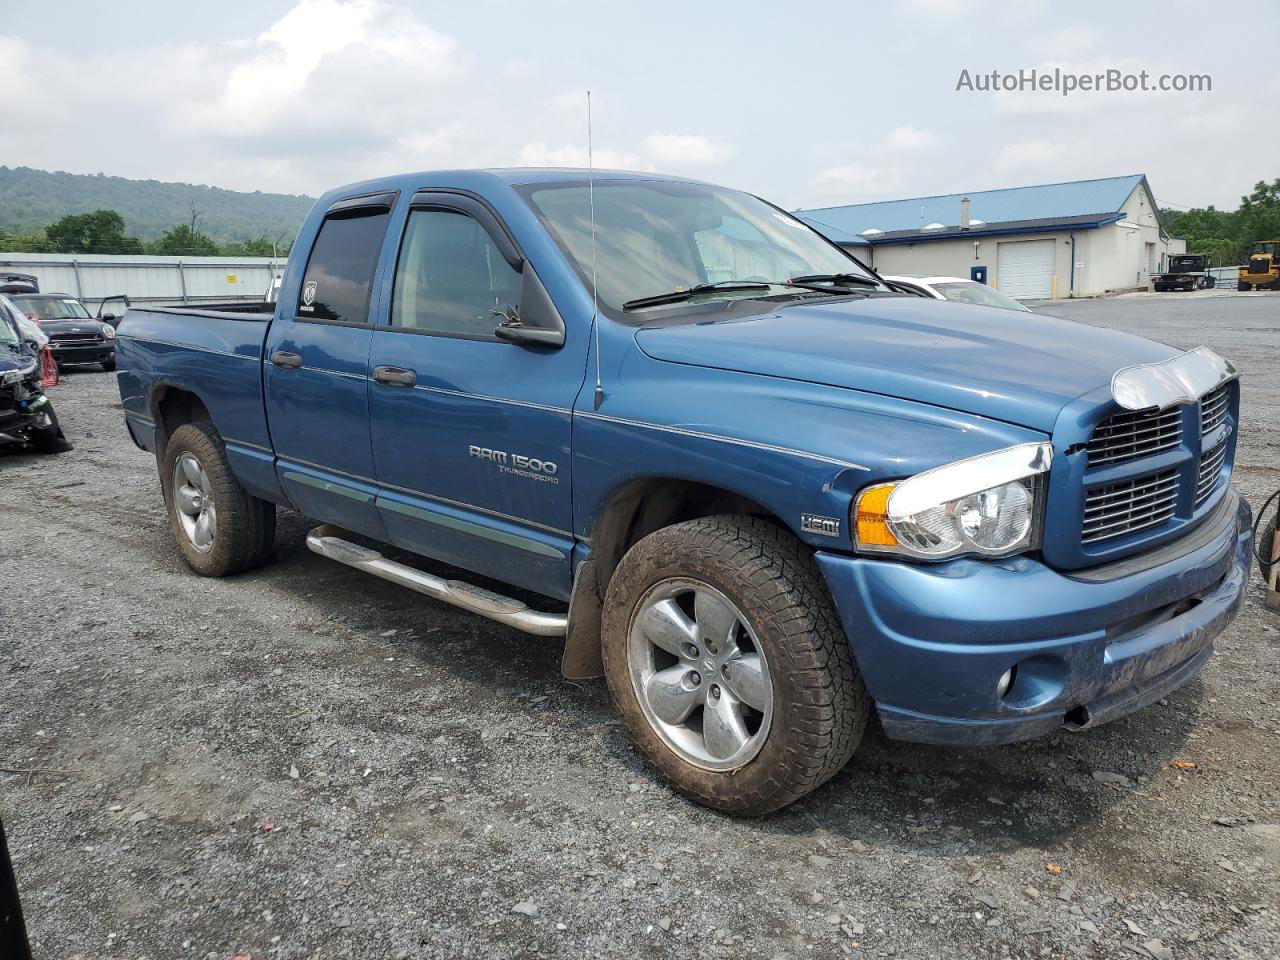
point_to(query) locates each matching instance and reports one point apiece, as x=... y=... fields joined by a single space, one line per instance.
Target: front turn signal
x=871 y=517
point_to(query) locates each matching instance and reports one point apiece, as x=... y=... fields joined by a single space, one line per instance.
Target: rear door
x=317 y=384
x=471 y=433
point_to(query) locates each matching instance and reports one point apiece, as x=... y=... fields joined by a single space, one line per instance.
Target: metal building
x=1079 y=238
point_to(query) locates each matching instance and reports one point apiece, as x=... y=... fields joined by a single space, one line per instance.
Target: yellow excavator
x=1262 y=272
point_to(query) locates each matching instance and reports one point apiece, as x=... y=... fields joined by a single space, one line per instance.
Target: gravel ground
x=302 y=762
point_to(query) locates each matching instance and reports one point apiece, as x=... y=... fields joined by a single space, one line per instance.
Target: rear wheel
x=728 y=665
x=219 y=527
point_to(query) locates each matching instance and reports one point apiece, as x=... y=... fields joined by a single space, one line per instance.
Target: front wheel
x=728 y=665
x=219 y=527
x=109 y=366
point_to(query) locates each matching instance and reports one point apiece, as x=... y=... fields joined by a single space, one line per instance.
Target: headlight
x=987 y=505
x=17 y=376
x=108 y=331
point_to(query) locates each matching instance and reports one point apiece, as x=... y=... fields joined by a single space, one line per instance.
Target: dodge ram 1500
x=763 y=493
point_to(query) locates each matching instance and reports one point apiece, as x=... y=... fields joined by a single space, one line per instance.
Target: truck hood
x=1022 y=368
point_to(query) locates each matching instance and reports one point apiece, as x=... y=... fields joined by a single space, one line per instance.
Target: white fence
x=153 y=280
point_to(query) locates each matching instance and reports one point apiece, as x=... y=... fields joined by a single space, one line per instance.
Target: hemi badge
x=822 y=526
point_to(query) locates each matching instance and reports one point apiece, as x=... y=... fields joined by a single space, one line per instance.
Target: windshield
x=52 y=308
x=967 y=291
x=654 y=236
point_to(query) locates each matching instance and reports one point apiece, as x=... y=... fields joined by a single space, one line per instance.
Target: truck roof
x=506 y=176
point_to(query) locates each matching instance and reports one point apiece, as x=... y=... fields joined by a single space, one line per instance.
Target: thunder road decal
x=517 y=465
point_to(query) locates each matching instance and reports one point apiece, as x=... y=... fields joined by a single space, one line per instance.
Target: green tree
x=182 y=241
x=26 y=243
x=1207 y=230
x=99 y=232
x=1259 y=213
x=258 y=247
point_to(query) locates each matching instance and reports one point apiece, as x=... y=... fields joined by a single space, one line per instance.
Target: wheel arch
x=173 y=405
x=631 y=511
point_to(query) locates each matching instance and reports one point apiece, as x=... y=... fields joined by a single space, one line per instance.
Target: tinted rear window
x=340 y=271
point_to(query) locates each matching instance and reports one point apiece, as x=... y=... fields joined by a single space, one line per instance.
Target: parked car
x=74 y=335
x=28 y=329
x=772 y=493
x=26 y=413
x=18 y=283
x=954 y=288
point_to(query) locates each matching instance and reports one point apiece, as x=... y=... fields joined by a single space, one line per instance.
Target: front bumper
x=95 y=353
x=933 y=641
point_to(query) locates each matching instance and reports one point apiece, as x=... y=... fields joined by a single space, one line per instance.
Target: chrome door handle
x=395 y=376
x=290 y=361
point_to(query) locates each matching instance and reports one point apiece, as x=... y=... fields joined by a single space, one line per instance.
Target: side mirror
x=109 y=318
x=537 y=323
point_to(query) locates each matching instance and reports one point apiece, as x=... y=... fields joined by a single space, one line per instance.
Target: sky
x=806 y=104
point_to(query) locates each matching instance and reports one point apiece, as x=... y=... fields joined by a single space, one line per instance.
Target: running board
x=325 y=541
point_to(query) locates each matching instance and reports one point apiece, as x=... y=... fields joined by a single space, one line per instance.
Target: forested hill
x=31 y=199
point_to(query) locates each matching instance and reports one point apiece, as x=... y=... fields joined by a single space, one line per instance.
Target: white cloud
x=1028 y=156
x=909 y=139
x=682 y=151
x=1071 y=43
x=539 y=154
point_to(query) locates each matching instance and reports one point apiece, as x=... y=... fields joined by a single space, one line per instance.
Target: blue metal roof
x=1050 y=201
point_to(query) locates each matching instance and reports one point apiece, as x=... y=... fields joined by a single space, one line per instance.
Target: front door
x=471 y=434
x=317 y=384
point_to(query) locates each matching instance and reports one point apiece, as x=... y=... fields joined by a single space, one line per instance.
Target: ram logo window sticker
x=308 y=295
x=517 y=465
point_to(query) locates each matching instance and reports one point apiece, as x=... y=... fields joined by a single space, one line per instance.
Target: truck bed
x=213 y=352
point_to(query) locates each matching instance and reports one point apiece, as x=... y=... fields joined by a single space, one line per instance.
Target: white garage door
x=1025 y=269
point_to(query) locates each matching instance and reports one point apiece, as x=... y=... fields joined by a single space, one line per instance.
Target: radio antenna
x=595 y=296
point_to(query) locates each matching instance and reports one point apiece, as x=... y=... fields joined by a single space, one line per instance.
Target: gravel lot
x=302 y=762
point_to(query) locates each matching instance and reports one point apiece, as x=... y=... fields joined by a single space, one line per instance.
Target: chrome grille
x=1126 y=436
x=1116 y=509
x=1213 y=409
x=1210 y=470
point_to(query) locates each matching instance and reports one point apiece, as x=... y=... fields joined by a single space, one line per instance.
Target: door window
x=340 y=272
x=452 y=279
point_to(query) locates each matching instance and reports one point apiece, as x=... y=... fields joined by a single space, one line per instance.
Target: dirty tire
x=820 y=705
x=51 y=438
x=246 y=525
x=1266 y=551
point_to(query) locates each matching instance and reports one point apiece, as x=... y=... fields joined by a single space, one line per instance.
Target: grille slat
x=1210 y=469
x=1128 y=436
x=1213 y=409
x=1129 y=506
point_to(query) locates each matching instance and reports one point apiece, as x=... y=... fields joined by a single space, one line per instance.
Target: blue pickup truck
x=762 y=493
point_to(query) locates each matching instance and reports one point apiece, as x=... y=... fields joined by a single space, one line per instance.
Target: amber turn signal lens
x=871 y=517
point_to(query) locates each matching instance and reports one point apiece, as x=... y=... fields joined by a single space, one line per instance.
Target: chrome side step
x=325 y=540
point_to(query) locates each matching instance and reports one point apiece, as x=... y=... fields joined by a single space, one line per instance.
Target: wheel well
x=173 y=407
x=640 y=507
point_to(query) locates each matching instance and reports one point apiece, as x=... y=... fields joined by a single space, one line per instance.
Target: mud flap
x=582 y=659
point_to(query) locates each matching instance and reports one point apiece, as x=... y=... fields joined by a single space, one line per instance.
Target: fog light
x=1006 y=681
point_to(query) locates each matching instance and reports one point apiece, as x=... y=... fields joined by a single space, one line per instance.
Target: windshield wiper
x=839 y=278
x=678 y=296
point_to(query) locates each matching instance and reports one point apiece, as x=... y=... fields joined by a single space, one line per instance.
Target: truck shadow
x=941 y=801
x=914 y=798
